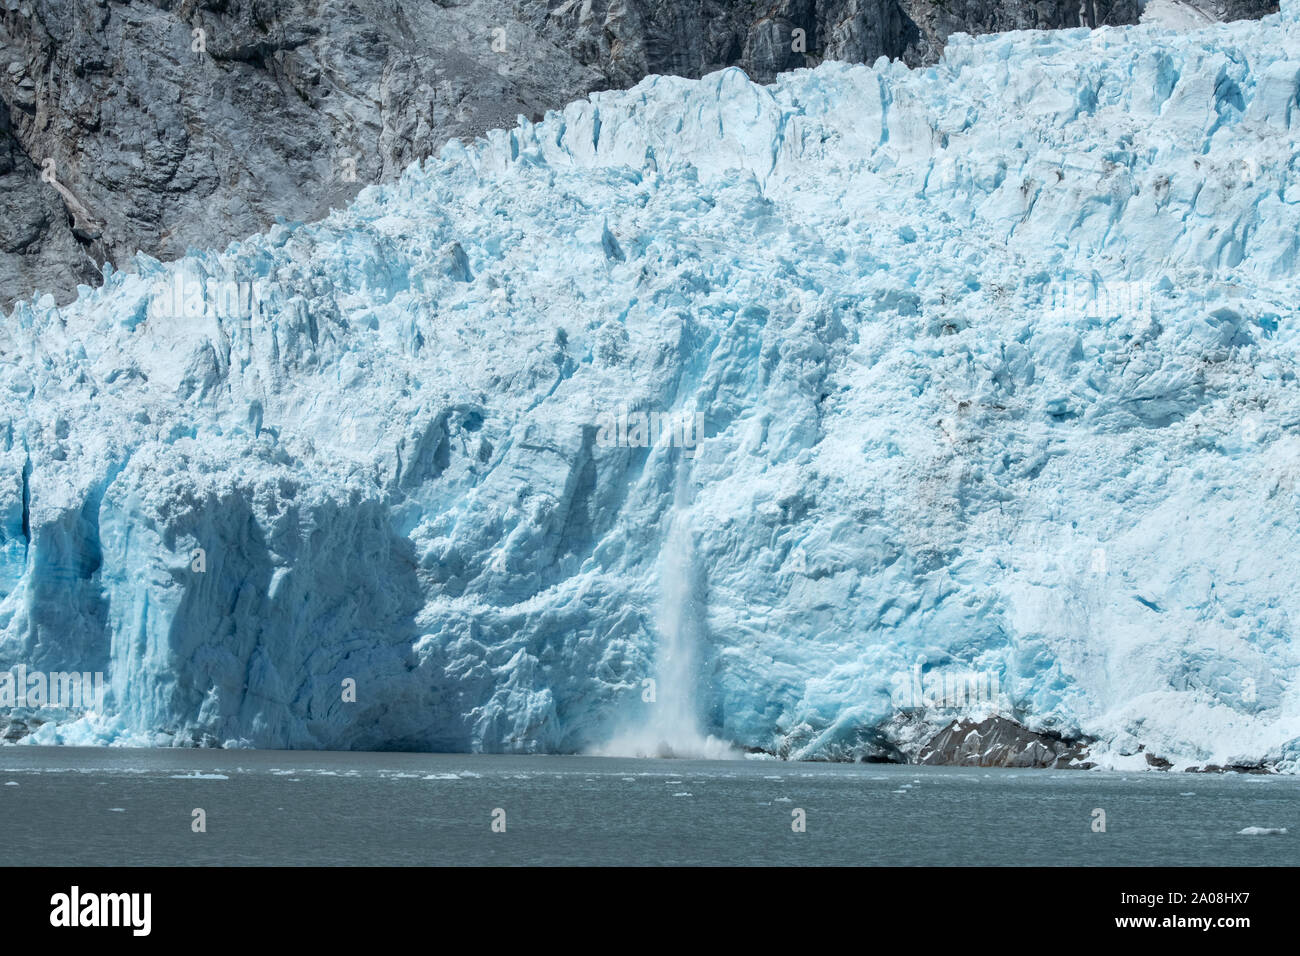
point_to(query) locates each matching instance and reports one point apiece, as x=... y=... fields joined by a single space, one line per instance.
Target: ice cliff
x=997 y=367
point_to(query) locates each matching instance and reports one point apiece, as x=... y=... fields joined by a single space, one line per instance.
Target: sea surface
x=75 y=806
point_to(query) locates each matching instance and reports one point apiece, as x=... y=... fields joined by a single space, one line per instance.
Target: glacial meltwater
x=74 y=806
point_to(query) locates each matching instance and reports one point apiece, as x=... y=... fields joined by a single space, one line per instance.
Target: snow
x=997 y=367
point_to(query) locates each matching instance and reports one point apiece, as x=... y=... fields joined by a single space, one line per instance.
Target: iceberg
x=995 y=368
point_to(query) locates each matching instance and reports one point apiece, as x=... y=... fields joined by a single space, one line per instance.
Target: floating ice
x=199 y=776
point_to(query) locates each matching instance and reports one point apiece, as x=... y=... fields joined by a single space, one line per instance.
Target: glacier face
x=996 y=367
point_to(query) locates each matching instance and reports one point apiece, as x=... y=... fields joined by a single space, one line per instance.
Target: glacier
x=996 y=363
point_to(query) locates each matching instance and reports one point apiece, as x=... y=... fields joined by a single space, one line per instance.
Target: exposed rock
x=36 y=237
x=1001 y=742
x=1235 y=9
x=185 y=126
x=938 y=21
x=1184 y=14
x=16 y=728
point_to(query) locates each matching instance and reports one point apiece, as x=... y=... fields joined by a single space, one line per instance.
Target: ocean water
x=73 y=806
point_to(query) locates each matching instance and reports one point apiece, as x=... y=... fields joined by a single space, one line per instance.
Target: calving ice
x=75 y=908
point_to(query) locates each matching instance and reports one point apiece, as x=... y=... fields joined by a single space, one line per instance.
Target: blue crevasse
x=997 y=368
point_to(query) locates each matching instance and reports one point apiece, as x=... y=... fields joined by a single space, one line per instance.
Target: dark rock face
x=628 y=39
x=938 y=21
x=999 y=742
x=16 y=728
x=36 y=238
x=1237 y=9
x=178 y=124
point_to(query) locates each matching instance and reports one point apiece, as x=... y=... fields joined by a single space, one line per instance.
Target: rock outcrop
x=1000 y=742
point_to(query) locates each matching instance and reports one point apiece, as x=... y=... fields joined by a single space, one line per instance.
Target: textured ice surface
x=997 y=363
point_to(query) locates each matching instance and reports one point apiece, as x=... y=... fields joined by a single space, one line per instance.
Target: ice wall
x=997 y=367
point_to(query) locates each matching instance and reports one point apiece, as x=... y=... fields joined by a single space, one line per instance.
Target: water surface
x=75 y=806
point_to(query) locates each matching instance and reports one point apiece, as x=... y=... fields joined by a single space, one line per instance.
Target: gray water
x=74 y=806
